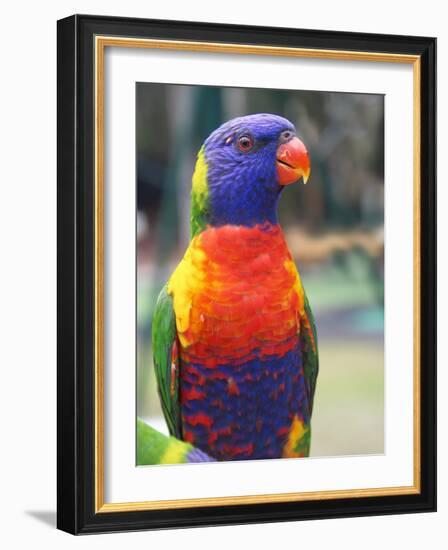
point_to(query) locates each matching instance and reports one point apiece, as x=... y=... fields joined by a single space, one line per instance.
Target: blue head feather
x=242 y=186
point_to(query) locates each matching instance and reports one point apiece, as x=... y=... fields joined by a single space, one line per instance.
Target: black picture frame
x=76 y=511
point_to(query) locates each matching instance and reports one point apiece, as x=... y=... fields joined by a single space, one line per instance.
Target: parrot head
x=241 y=170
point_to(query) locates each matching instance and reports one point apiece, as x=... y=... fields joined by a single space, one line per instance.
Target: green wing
x=156 y=448
x=308 y=342
x=166 y=360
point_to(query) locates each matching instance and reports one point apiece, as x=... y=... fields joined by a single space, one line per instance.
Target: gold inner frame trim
x=101 y=42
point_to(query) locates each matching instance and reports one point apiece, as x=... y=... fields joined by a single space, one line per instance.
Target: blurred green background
x=333 y=226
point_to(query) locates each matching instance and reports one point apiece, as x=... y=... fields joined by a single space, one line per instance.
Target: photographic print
x=246 y=274
x=260 y=274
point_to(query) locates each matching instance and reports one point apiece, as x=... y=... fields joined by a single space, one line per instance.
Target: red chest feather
x=237 y=295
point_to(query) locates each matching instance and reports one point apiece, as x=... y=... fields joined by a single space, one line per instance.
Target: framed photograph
x=246 y=274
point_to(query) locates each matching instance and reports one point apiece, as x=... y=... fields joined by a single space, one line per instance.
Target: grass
x=348 y=417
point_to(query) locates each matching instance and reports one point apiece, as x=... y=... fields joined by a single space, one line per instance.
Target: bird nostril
x=286 y=155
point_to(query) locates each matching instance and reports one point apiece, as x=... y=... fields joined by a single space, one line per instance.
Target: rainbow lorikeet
x=235 y=347
x=156 y=448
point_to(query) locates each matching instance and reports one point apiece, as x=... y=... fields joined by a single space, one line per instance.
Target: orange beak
x=293 y=162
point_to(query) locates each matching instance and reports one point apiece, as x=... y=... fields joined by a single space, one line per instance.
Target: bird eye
x=245 y=143
x=286 y=136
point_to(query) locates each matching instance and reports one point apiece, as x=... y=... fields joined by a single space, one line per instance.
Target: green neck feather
x=199 y=196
